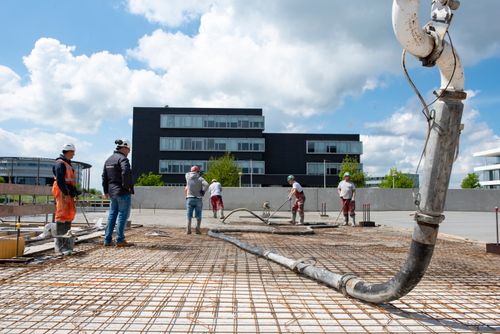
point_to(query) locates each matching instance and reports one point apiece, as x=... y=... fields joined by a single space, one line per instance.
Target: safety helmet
x=195 y=169
x=290 y=177
x=123 y=143
x=68 y=147
x=214 y=180
x=347 y=174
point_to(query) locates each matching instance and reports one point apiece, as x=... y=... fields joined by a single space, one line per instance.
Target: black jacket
x=59 y=171
x=117 y=176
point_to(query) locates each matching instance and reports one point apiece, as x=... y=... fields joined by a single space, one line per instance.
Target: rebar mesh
x=196 y=284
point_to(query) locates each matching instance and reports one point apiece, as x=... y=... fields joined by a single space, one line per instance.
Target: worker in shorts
x=215 y=190
x=299 y=199
x=347 y=193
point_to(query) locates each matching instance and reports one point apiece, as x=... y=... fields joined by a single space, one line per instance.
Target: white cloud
x=170 y=13
x=75 y=92
x=36 y=143
x=398 y=141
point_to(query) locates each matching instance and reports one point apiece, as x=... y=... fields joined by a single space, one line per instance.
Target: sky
x=71 y=71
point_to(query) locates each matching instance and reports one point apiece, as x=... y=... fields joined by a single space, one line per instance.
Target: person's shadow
x=437 y=321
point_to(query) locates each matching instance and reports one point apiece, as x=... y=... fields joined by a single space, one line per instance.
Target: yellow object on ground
x=8 y=247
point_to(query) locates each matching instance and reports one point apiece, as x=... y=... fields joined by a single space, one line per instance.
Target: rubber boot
x=222 y=214
x=215 y=214
x=198 y=224
x=294 y=216
x=346 y=220
x=301 y=220
x=188 y=230
x=353 y=220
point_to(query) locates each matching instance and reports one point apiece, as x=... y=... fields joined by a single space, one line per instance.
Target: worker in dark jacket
x=64 y=191
x=118 y=186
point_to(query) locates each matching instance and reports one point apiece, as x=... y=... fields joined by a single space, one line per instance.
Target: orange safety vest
x=65 y=205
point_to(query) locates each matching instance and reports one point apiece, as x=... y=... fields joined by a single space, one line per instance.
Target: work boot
x=222 y=214
x=215 y=214
x=294 y=216
x=346 y=220
x=188 y=230
x=124 y=243
x=301 y=220
x=353 y=220
x=198 y=224
x=107 y=244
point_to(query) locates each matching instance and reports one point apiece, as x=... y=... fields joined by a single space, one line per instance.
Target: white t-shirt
x=297 y=187
x=215 y=189
x=346 y=189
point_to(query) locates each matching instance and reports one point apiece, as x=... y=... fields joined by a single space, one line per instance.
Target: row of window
x=184 y=166
x=334 y=147
x=247 y=167
x=212 y=144
x=212 y=121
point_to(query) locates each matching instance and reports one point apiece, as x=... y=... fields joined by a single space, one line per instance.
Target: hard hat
x=68 y=147
x=123 y=143
x=347 y=174
x=195 y=169
x=214 y=180
x=290 y=177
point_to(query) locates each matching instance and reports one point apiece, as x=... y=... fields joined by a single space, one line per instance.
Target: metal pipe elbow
x=408 y=30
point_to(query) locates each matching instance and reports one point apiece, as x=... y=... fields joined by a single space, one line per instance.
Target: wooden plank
x=26 y=210
x=49 y=245
x=24 y=189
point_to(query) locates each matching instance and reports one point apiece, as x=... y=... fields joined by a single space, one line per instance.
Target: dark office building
x=170 y=140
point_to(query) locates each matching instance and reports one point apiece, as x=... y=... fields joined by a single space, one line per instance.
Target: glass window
x=212 y=121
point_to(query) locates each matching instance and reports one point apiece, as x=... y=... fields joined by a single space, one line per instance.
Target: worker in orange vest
x=64 y=190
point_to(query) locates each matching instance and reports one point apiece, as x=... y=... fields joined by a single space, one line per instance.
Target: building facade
x=38 y=171
x=170 y=140
x=489 y=172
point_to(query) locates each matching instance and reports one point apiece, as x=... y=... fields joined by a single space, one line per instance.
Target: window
x=212 y=121
x=334 y=147
x=212 y=144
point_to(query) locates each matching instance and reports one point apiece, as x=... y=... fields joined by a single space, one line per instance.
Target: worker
x=215 y=190
x=118 y=187
x=195 y=189
x=64 y=191
x=347 y=194
x=298 y=193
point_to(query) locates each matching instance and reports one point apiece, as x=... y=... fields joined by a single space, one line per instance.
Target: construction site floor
x=171 y=282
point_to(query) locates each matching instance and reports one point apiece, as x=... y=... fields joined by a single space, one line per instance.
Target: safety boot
x=124 y=243
x=353 y=220
x=346 y=220
x=294 y=216
x=222 y=214
x=188 y=230
x=301 y=220
x=215 y=214
x=198 y=225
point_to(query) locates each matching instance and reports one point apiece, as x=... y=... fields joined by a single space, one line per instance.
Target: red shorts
x=217 y=202
x=348 y=206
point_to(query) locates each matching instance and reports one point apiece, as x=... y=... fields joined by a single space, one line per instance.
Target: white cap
x=68 y=147
x=123 y=143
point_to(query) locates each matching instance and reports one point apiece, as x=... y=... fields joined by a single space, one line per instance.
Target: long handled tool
x=287 y=200
x=341 y=210
x=84 y=214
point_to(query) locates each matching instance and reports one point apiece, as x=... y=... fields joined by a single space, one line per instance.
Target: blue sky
x=73 y=70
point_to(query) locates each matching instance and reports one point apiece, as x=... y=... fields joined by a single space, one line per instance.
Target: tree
x=470 y=181
x=397 y=179
x=2 y=180
x=150 y=180
x=351 y=165
x=223 y=169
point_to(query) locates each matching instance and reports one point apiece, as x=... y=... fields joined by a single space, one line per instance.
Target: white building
x=489 y=173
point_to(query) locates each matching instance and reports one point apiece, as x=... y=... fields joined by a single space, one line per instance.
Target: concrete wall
x=380 y=199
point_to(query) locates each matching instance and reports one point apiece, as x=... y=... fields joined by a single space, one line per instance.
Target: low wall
x=380 y=199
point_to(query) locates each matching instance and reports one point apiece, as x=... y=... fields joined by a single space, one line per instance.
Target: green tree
x=351 y=165
x=95 y=192
x=150 y=180
x=400 y=180
x=2 y=180
x=224 y=169
x=470 y=181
